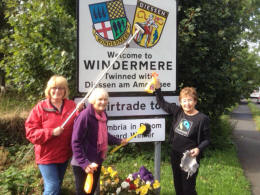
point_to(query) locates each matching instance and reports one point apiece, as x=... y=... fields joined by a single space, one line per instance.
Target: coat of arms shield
x=110 y=24
x=152 y=19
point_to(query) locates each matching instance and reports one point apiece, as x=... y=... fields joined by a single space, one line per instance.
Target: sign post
x=157 y=162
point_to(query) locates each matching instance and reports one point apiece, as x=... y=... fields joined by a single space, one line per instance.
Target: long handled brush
x=144 y=129
x=102 y=74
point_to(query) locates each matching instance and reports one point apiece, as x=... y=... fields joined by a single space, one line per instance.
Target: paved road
x=247 y=140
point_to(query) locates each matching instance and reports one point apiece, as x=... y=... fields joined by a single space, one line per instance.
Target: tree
x=3 y=31
x=253 y=32
x=42 y=43
x=211 y=56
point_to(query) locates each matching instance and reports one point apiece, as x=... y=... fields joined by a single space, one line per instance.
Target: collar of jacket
x=51 y=108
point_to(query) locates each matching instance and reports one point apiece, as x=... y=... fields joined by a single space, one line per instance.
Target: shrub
x=12 y=130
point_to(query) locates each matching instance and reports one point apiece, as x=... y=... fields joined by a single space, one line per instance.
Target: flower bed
x=141 y=182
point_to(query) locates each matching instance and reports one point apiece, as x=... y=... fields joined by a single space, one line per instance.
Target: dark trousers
x=80 y=178
x=183 y=186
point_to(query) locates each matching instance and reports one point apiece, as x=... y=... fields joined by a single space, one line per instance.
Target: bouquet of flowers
x=109 y=181
x=141 y=182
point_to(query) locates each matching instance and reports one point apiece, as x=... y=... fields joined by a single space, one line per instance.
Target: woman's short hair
x=95 y=94
x=57 y=81
x=188 y=91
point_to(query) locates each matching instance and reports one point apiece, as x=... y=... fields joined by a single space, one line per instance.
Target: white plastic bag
x=189 y=164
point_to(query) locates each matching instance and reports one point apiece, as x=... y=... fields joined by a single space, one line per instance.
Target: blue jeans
x=52 y=176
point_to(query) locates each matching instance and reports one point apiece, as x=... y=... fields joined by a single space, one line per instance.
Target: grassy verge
x=222 y=174
x=13 y=111
x=256 y=114
x=220 y=171
x=12 y=104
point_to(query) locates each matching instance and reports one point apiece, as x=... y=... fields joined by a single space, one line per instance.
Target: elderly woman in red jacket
x=51 y=141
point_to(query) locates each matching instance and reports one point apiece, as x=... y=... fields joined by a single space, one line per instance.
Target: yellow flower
x=156 y=184
x=103 y=169
x=113 y=174
x=109 y=169
x=136 y=182
x=144 y=190
x=106 y=173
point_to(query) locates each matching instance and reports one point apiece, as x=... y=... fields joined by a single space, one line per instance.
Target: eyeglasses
x=59 y=88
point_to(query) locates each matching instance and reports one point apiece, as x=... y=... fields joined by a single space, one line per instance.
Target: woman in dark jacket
x=190 y=132
x=90 y=140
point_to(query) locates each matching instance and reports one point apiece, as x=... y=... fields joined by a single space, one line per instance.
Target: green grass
x=13 y=103
x=222 y=174
x=256 y=114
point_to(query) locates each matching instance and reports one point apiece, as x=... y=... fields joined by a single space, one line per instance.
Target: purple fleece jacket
x=84 y=139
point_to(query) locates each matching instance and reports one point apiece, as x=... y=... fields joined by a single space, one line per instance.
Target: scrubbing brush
x=144 y=129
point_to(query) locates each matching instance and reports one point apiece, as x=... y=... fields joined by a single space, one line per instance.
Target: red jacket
x=39 y=126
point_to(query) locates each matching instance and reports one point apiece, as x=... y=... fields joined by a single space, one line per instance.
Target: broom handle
x=98 y=80
x=128 y=139
x=100 y=77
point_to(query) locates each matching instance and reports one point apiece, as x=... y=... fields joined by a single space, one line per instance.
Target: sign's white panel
x=105 y=26
x=135 y=106
x=126 y=128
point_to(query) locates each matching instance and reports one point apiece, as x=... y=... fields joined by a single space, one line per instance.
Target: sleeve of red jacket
x=35 y=133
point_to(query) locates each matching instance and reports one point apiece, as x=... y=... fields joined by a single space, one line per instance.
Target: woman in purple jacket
x=90 y=140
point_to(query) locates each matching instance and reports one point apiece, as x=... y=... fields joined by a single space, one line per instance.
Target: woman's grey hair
x=95 y=94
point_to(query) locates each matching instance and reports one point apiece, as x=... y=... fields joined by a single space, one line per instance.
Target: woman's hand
x=194 y=152
x=80 y=106
x=91 y=168
x=124 y=142
x=157 y=84
x=57 y=131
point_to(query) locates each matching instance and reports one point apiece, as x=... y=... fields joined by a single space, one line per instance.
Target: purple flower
x=144 y=175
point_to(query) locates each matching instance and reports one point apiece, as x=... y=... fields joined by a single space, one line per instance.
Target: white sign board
x=135 y=106
x=126 y=128
x=103 y=29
